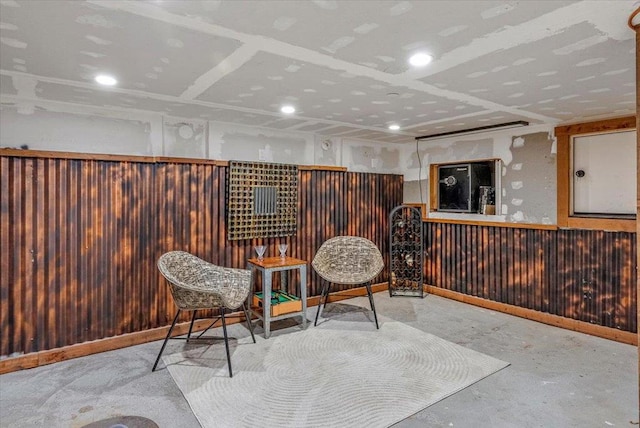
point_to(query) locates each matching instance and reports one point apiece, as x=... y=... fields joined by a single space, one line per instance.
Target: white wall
x=528 y=177
x=64 y=127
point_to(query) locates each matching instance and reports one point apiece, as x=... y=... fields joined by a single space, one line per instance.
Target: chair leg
x=325 y=295
x=373 y=308
x=226 y=340
x=193 y=318
x=249 y=324
x=166 y=339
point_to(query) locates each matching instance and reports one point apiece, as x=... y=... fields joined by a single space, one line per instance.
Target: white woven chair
x=347 y=260
x=196 y=284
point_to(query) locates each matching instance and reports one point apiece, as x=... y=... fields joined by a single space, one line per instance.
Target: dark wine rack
x=406 y=250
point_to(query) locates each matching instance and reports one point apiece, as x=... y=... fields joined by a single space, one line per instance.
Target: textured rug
x=339 y=374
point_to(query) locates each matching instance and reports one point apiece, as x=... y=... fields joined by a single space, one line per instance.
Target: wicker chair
x=196 y=284
x=347 y=260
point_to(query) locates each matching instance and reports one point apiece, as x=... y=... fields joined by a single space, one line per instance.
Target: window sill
x=607 y=224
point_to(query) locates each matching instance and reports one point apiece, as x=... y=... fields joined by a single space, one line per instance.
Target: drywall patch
x=530 y=182
x=97 y=21
x=71 y=132
x=184 y=138
x=452 y=30
x=339 y=44
x=366 y=28
x=284 y=23
x=14 y=43
x=592 y=61
x=581 y=45
x=326 y=4
x=400 y=8
x=497 y=11
x=7 y=26
x=97 y=40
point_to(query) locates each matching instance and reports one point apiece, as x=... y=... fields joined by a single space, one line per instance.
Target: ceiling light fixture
x=288 y=109
x=420 y=59
x=106 y=80
x=394 y=127
x=499 y=126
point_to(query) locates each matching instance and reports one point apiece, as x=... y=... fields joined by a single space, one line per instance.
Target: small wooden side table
x=268 y=266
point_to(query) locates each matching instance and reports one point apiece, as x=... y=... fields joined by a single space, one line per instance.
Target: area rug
x=339 y=374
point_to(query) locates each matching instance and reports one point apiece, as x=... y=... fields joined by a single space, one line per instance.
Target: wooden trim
x=563 y=162
x=493 y=224
x=74 y=156
x=564 y=134
x=422 y=207
x=46 y=154
x=607 y=125
x=630 y=23
x=607 y=224
x=467 y=161
x=108 y=344
x=42 y=358
x=433 y=187
x=166 y=159
x=545 y=318
x=322 y=168
x=433 y=178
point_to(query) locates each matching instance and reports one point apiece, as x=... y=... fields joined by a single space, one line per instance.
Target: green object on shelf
x=278 y=296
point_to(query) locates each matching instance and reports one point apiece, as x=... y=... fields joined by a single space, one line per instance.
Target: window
x=465 y=187
x=597 y=175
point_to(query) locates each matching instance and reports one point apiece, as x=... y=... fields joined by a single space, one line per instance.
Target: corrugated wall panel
x=587 y=275
x=80 y=239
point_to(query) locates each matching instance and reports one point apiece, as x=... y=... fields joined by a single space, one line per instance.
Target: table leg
x=284 y=281
x=251 y=289
x=266 y=301
x=303 y=294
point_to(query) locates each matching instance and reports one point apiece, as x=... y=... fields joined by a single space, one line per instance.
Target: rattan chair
x=196 y=284
x=347 y=260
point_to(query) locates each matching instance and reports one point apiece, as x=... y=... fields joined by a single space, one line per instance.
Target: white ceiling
x=343 y=64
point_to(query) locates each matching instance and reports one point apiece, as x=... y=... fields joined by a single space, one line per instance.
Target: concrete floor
x=557 y=378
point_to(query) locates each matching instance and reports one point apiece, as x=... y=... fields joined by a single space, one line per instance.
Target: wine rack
x=406 y=250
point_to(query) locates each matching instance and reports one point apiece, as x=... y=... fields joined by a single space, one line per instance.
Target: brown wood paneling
x=585 y=275
x=81 y=235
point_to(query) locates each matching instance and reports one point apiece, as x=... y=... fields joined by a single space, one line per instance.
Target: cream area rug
x=338 y=374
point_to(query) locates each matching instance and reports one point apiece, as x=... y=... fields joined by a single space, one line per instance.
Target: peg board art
x=262 y=200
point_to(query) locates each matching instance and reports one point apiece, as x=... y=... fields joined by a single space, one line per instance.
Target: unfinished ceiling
x=341 y=64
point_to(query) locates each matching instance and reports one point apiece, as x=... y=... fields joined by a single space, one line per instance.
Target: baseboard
x=41 y=358
x=50 y=356
x=542 y=317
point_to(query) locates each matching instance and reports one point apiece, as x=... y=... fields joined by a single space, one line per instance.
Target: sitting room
x=324 y=213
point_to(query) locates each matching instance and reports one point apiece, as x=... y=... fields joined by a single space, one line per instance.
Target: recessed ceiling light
x=288 y=109
x=420 y=59
x=105 y=79
x=394 y=127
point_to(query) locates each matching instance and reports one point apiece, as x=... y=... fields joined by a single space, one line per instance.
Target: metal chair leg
x=166 y=339
x=373 y=308
x=193 y=318
x=249 y=324
x=321 y=306
x=226 y=340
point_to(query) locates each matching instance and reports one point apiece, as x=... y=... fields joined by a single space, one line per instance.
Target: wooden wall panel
x=586 y=275
x=80 y=238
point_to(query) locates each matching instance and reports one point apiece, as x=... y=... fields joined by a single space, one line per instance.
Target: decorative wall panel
x=262 y=200
x=586 y=275
x=79 y=238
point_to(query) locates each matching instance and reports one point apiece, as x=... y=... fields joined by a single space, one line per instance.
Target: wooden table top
x=275 y=262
